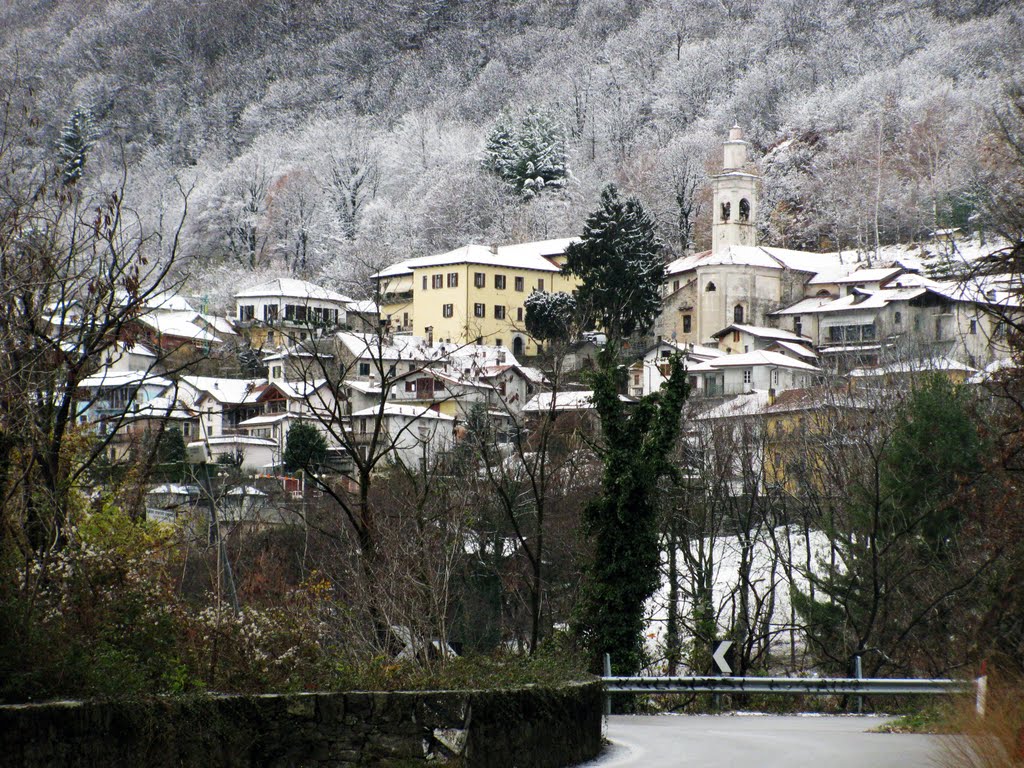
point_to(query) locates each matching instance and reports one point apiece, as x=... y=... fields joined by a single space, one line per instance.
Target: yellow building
x=474 y=294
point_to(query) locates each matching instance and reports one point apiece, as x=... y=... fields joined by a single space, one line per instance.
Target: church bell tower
x=735 y=193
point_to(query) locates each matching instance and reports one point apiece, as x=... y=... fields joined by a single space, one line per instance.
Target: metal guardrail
x=787 y=685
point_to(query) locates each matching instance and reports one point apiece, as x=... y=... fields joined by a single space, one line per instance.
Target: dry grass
x=995 y=740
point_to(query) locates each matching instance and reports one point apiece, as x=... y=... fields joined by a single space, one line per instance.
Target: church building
x=737 y=281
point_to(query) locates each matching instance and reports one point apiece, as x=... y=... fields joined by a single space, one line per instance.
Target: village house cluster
x=445 y=342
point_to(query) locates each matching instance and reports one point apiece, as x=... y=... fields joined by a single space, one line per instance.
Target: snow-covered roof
x=363 y=307
x=844 y=276
x=694 y=351
x=123 y=348
x=366 y=387
x=535 y=256
x=409 y=411
x=290 y=288
x=991 y=370
x=805 y=306
x=796 y=349
x=263 y=442
x=859 y=301
x=760 y=357
x=299 y=389
x=245 y=490
x=159 y=408
x=225 y=390
x=265 y=420
x=564 y=401
x=914 y=366
x=169 y=302
x=109 y=378
x=533 y=375
x=221 y=325
x=363 y=345
x=179 y=325
x=176 y=489
x=763 y=333
x=748 y=404
x=754 y=256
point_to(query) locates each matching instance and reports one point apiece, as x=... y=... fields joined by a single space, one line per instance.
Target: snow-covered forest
x=326 y=136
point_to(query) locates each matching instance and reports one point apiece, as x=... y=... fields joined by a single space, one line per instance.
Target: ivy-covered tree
x=529 y=154
x=550 y=316
x=76 y=139
x=618 y=261
x=623 y=521
x=305 y=449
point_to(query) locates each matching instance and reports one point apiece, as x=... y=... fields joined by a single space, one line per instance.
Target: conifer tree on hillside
x=76 y=139
x=528 y=154
x=619 y=263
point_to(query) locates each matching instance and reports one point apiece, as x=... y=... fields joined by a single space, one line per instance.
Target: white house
x=285 y=310
x=416 y=436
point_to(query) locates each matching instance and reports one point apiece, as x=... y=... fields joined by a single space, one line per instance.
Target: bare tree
x=77 y=271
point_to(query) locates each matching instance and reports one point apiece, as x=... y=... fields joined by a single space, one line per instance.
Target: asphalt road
x=768 y=741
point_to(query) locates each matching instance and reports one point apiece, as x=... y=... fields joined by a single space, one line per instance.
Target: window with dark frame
x=448 y=310
x=479 y=310
x=437 y=281
x=453 y=279
x=499 y=282
x=687 y=323
x=520 y=284
x=479 y=280
x=499 y=312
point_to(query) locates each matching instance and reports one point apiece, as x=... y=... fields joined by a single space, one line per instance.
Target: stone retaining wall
x=520 y=728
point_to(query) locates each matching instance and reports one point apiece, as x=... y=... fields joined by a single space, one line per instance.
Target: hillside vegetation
x=328 y=134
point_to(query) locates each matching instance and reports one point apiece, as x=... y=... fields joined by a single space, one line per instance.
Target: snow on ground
x=769 y=573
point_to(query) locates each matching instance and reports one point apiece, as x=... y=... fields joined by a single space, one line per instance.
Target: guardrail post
x=607 y=673
x=858 y=673
x=980 y=694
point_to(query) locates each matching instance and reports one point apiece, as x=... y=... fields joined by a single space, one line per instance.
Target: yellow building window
x=453 y=279
x=479 y=280
x=437 y=281
x=499 y=282
x=520 y=284
x=448 y=310
x=499 y=312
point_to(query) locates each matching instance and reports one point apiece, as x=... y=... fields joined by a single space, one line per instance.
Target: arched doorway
x=517 y=345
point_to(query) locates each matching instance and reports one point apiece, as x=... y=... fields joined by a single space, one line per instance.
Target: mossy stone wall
x=519 y=728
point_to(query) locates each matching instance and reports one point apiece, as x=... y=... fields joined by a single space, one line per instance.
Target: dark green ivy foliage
x=618 y=261
x=623 y=522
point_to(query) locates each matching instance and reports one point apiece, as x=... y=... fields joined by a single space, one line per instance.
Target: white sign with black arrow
x=719 y=657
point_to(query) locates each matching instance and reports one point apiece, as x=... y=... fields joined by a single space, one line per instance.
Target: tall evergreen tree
x=305 y=448
x=618 y=261
x=76 y=139
x=529 y=154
